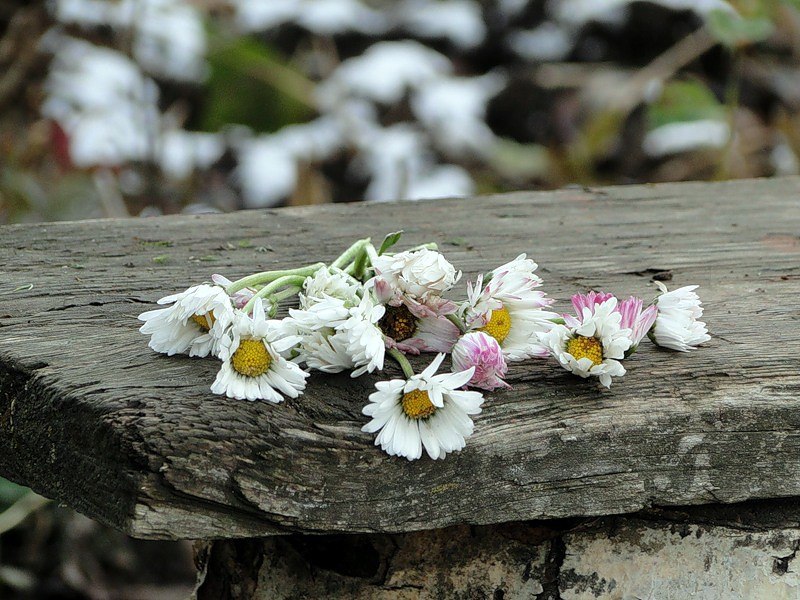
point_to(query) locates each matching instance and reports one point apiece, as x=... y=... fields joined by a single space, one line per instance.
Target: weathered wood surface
x=91 y=417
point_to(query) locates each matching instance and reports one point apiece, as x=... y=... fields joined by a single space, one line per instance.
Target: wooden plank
x=90 y=417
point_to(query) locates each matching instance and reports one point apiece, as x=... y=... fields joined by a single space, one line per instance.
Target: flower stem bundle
x=370 y=303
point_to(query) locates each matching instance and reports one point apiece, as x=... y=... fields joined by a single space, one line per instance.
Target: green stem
x=360 y=264
x=270 y=276
x=401 y=360
x=346 y=257
x=558 y=321
x=276 y=298
x=428 y=246
x=457 y=322
x=268 y=290
x=372 y=254
x=365 y=262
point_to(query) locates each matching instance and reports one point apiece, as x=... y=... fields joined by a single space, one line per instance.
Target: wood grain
x=89 y=416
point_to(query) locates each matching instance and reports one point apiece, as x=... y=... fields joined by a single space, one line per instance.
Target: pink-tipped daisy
x=510 y=309
x=482 y=352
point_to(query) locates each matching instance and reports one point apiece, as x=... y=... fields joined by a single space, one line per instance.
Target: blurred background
x=115 y=108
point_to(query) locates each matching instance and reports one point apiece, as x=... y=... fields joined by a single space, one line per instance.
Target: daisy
x=350 y=341
x=510 y=309
x=240 y=298
x=319 y=313
x=412 y=334
x=416 y=279
x=254 y=366
x=483 y=352
x=366 y=343
x=193 y=324
x=591 y=344
x=425 y=410
x=330 y=283
x=325 y=350
x=633 y=318
x=677 y=326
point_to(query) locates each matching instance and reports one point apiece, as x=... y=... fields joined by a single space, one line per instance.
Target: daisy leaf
x=389 y=241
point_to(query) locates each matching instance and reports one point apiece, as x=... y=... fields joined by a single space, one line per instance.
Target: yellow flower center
x=398 y=323
x=251 y=358
x=499 y=325
x=417 y=404
x=586 y=347
x=203 y=320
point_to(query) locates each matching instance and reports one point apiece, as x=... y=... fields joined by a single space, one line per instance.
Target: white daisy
x=510 y=309
x=330 y=283
x=319 y=313
x=335 y=338
x=677 y=326
x=194 y=324
x=240 y=298
x=365 y=341
x=592 y=344
x=325 y=350
x=425 y=410
x=254 y=366
x=412 y=276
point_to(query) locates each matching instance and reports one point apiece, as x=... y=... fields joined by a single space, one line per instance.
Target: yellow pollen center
x=398 y=323
x=499 y=325
x=586 y=347
x=251 y=358
x=417 y=404
x=203 y=320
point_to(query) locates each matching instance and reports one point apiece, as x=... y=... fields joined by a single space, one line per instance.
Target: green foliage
x=389 y=241
x=734 y=30
x=682 y=101
x=519 y=161
x=250 y=84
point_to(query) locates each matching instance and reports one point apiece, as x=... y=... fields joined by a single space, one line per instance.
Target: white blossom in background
x=181 y=152
x=383 y=73
x=674 y=138
x=459 y=21
x=401 y=165
x=441 y=181
x=268 y=164
x=169 y=37
x=316 y=140
x=783 y=159
x=325 y=17
x=266 y=173
x=453 y=109
x=391 y=157
x=102 y=100
x=547 y=42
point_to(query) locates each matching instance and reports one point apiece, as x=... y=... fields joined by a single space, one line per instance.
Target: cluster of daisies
x=371 y=302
